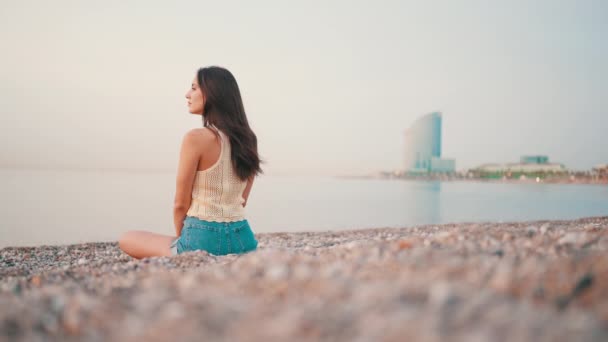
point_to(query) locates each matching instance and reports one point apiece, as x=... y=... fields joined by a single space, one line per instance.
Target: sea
x=48 y=207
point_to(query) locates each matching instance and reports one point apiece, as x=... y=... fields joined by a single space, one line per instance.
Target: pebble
x=571 y=237
x=544 y=228
x=524 y=281
x=277 y=272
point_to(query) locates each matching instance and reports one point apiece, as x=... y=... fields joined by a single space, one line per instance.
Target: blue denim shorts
x=217 y=238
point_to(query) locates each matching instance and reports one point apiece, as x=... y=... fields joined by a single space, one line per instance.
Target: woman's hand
x=247 y=191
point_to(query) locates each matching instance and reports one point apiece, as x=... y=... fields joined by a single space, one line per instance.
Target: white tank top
x=217 y=192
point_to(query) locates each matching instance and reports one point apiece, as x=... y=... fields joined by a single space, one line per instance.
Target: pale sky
x=329 y=86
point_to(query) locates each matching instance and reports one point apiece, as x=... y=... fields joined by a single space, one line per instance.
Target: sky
x=329 y=86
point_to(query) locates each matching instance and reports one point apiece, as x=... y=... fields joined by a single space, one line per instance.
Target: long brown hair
x=224 y=109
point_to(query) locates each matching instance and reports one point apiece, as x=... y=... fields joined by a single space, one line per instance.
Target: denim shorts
x=217 y=238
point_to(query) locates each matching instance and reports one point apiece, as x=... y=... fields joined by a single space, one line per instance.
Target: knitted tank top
x=217 y=191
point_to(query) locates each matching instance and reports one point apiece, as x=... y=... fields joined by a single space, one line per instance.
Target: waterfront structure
x=534 y=159
x=442 y=165
x=423 y=146
x=528 y=165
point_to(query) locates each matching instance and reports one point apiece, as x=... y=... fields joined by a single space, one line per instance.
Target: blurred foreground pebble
x=530 y=281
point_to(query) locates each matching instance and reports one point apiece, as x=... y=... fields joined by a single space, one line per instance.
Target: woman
x=217 y=166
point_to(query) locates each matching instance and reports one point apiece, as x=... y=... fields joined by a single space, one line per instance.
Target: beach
x=485 y=281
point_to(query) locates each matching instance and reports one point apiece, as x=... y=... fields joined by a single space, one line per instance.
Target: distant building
x=423 y=146
x=442 y=165
x=527 y=165
x=534 y=159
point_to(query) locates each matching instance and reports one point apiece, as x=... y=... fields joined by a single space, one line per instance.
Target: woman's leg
x=140 y=244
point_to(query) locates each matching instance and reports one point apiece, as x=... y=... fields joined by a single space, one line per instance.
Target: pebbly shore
x=524 y=281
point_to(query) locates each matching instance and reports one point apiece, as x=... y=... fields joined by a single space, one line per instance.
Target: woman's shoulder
x=203 y=134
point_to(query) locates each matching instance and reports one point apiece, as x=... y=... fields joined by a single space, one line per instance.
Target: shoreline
x=531 y=280
x=484 y=180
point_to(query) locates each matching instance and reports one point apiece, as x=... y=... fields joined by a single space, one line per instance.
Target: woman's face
x=196 y=101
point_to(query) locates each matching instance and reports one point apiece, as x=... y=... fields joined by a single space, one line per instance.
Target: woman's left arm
x=186 y=170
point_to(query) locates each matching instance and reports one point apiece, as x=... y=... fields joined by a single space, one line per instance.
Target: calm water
x=52 y=207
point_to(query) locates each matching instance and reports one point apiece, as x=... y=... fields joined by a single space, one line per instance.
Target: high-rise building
x=423 y=146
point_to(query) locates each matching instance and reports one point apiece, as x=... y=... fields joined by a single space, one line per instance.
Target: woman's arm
x=247 y=190
x=186 y=170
